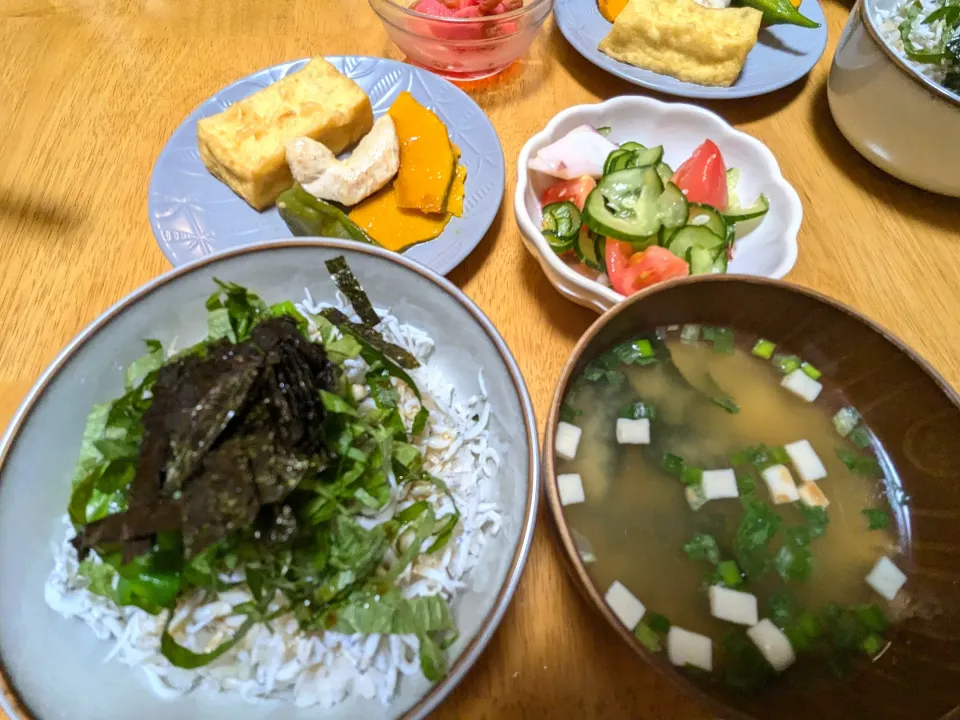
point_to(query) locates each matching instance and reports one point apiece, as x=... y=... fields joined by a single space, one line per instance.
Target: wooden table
x=91 y=89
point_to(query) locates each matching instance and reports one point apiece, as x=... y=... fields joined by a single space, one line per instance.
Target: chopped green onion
x=690 y=333
x=877 y=519
x=860 y=437
x=810 y=371
x=634 y=352
x=858 y=464
x=727 y=404
x=871 y=617
x=787 y=363
x=761 y=457
x=846 y=420
x=872 y=644
x=728 y=573
x=764 y=349
x=691 y=475
x=672 y=464
x=647 y=636
x=722 y=338
x=658 y=623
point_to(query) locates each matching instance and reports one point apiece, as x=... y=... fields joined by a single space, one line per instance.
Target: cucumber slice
x=650 y=156
x=708 y=217
x=600 y=250
x=560 y=225
x=666 y=235
x=700 y=260
x=673 y=206
x=665 y=172
x=624 y=159
x=735 y=213
x=720 y=262
x=624 y=204
x=612 y=159
x=632 y=146
x=694 y=236
x=585 y=249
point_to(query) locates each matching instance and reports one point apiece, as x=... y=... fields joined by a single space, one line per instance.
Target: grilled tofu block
x=244 y=146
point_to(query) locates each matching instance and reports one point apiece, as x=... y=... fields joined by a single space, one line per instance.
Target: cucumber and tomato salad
x=643 y=223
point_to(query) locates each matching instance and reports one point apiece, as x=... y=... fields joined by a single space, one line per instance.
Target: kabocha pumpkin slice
x=428 y=162
x=395 y=227
x=611 y=8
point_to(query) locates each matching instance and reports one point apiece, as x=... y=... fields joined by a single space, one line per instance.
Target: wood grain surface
x=91 y=89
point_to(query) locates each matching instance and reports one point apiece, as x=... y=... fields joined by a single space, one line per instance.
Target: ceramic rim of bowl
x=511 y=15
x=10 y=700
x=574 y=565
x=931 y=86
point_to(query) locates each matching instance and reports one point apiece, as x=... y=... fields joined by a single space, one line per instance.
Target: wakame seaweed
x=246 y=451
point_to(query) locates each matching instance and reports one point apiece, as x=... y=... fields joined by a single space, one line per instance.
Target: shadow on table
x=608 y=86
x=35 y=210
x=937 y=210
x=565 y=315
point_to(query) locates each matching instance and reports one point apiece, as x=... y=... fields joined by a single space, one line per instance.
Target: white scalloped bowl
x=765 y=249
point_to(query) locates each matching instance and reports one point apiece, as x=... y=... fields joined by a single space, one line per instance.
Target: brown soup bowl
x=915 y=415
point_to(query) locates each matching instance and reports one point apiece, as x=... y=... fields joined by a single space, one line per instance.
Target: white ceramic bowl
x=767 y=248
x=54 y=666
x=897 y=118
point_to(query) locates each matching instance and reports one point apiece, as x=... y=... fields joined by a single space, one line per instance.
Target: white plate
x=767 y=248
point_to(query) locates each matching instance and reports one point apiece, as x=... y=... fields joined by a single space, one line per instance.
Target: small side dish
x=698 y=41
x=622 y=216
x=399 y=187
x=295 y=492
x=755 y=509
x=927 y=34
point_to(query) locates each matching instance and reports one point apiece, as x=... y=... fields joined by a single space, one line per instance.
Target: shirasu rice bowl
x=319 y=668
x=926 y=34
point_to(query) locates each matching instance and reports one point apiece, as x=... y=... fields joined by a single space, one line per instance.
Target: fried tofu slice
x=683 y=39
x=244 y=146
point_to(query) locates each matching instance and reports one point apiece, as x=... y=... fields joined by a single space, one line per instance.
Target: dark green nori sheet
x=227 y=433
x=348 y=284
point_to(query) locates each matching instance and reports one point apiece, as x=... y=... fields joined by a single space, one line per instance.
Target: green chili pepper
x=780 y=12
x=305 y=215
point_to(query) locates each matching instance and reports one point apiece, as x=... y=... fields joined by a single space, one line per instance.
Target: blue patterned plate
x=783 y=54
x=193 y=214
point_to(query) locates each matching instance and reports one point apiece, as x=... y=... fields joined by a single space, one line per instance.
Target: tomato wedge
x=575 y=191
x=629 y=271
x=703 y=178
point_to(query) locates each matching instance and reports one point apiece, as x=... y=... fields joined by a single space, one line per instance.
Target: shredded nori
x=348 y=284
x=396 y=353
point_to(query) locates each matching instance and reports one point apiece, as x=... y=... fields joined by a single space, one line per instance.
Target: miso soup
x=734 y=510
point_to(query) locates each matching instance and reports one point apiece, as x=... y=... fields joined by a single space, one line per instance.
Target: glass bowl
x=462 y=48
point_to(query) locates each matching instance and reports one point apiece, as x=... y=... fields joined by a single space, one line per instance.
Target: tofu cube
x=806 y=461
x=689 y=648
x=570 y=488
x=802 y=385
x=719 y=484
x=625 y=605
x=886 y=578
x=780 y=483
x=812 y=496
x=568 y=440
x=633 y=432
x=733 y=606
x=774 y=645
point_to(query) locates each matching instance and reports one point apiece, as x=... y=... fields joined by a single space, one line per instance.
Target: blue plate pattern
x=783 y=53
x=193 y=214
